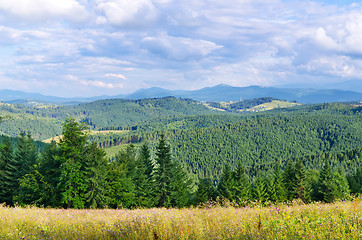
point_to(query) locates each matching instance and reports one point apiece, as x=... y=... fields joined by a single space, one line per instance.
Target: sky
x=80 y=48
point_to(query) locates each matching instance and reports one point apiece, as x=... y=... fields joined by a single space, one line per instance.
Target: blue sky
x=96 y=47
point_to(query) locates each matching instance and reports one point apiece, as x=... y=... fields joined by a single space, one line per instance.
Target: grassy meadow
x=341 y=220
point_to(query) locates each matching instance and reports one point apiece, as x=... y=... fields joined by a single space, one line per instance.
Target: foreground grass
x=342 y=220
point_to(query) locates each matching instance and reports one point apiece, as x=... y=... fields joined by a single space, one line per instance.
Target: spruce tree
x=9 y=173
x=95 y=175
x=25 y=153
x=50 y=169
x=279 y=187
x=328 y=188
x=300 y=185
x=225 y=187
x=240 y=185
x=145 y=158
x=72 y=153
x=343 y=191
x=205 y=191
x=171 y=182
x=259 y=189
x=163 y=173
x=289 y=180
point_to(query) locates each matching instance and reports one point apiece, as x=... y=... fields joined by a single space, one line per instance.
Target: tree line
x=75 y=173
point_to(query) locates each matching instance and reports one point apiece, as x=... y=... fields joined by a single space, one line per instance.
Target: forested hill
x=44 y=121
x=317 y=147
x=205 y=144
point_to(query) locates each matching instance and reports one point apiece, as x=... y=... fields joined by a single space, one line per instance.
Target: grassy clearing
x=272 y=105
x=342 y=220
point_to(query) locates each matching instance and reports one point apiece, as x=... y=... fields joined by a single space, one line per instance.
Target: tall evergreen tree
x=225 y=187
x=17 y=165
x=300 y=185
x=279 y=187
x=163 y=173
x=355 y=182
x=328 y=188
x=259 y=188
x=50 y=169
x=145 y=158
x=25 y=153
x=240 y=185
x=9 y=173
x=343 y=191
x=95 y=175
x=205 y=191
x=72 y=152
x=171 y=182
x=289 y=180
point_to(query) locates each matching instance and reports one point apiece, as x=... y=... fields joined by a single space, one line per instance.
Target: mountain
x=19 y=97
x=228 y=93
x=217 y=93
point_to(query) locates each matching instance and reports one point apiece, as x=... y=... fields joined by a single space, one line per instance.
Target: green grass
x=341 y=220
x=272 y=105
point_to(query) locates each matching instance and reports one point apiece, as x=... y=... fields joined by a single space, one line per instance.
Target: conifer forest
x=188 y=154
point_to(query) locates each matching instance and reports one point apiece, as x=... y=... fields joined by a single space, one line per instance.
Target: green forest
x=178 y=153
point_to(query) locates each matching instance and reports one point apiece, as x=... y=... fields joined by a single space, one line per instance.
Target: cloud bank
x=83 y=48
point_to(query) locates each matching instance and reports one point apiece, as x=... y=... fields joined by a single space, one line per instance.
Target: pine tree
x=171 y=182
x=25 y=153
x=95 y=175
x=120 y=188
x=343 y=191
x=240 y=185
x=205 y=191
x=279 y=187
x=355 y=182
x=50 y=169
x=180 y=186
x=17 y=165
x=290 y=180
x=225 y=187
x=328 y=188
x=143 y=179
x=9 y=173
x=33 y=190
x=300 y=182
x=145 y=158
x=259 y=188
x=72 y=152
x=163 y=173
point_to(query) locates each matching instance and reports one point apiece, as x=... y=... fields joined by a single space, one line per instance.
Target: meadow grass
x=341 y=220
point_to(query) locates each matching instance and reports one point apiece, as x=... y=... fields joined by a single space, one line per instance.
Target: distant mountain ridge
x=220 y=92
x=228 y=93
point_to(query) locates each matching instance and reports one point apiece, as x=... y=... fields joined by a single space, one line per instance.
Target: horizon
x=145 y=89
x=77 y=48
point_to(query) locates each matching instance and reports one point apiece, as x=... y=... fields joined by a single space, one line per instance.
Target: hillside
x=44 y=121
x=204 y=144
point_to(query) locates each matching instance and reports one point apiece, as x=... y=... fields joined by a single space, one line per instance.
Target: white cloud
x=101 y=84
x=168 y=43
x=116 y=75
x=129 y=13
x=38 y=10
x=179 y=48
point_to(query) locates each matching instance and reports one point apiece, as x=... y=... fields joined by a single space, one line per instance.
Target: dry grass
x=340 y=220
